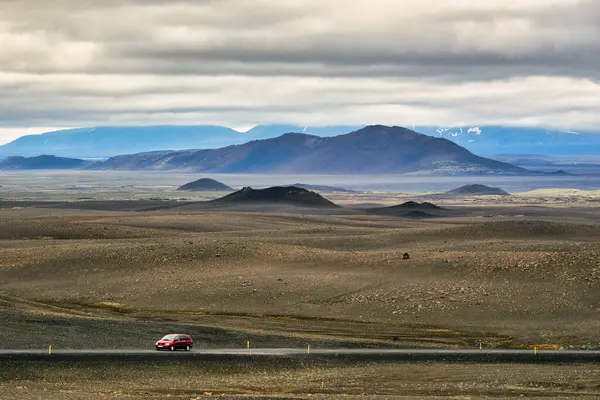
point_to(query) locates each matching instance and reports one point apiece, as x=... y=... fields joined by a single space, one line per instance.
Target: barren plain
x=90 y=271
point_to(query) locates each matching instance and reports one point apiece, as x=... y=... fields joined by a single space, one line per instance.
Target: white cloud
x=238 y=63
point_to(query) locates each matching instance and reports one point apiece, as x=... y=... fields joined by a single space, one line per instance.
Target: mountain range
x=110 y=141
x=490 y=140
x=42 y=162
x=104 y=142
x=374 y=149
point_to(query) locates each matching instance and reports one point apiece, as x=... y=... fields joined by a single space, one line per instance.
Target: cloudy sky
x=71 y=63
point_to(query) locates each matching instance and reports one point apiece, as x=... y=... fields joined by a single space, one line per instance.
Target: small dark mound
x=205 y=184
x=412 y=209
x=277 y=194
x=413 y=205
x=477 y=189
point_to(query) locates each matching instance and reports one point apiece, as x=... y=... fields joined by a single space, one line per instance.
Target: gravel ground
x=76 y=278
x=283 y=379
x=533 y=282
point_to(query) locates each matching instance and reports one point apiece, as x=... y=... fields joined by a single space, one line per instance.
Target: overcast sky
x=71 y=63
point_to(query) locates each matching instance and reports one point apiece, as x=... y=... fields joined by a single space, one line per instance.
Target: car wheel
x=157 y=348
x=172 y=348
x=187 y=348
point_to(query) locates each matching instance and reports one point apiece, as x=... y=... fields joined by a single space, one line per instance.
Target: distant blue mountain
x=488 y=140
x=110 y=141
x=374 y=149
x=42 y=162
x=273 y=130
x=105 y=142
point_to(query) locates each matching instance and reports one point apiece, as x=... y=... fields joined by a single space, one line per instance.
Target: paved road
x=442 y=355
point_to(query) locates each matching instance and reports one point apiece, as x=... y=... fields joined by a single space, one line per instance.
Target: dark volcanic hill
x=205 y=184
x=322 y=188
x=42 y=162
x=468 y=190
x=412 y=209
x=277 y=194
x=371 y=150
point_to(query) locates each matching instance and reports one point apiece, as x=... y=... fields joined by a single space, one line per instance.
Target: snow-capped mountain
x=518 y=140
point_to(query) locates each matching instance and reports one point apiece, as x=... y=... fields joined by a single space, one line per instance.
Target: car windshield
x=168 y=337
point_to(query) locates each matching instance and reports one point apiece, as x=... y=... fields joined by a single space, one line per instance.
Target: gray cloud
x=71 y=63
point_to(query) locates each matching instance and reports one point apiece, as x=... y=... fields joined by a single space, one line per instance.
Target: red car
x=175 y=341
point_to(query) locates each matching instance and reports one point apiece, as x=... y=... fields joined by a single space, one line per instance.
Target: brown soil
x=296 y=278
x=289 y=379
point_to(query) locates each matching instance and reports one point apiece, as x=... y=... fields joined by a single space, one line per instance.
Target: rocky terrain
x=507 y=282
x=295 y=379
x=79 y=274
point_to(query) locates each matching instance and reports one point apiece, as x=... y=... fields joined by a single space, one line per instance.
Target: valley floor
x=81 y=277
x=299 y=277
